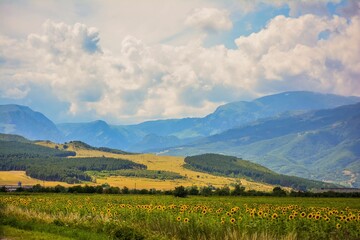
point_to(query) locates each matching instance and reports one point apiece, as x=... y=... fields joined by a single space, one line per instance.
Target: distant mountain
x=322 y=144
x=239 y=113
x=159 y=134
x=97 y=133
x=21 y=120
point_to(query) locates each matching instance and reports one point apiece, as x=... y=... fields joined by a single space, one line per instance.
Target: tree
x=125 y=190
x=277 y=191
x=180 y=192
x=193 y=190
x=206 y=191
x=224 y=191
x=238 y=190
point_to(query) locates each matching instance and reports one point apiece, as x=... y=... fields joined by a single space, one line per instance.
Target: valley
x=303 y=134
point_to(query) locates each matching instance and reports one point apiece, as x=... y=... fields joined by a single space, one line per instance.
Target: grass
x=36 y=229
x=15 y=233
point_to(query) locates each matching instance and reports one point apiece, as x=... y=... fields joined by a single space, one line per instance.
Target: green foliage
x=180 y=192
x=24 y=150
x=50 y=164
x=278 y=192
x=235 y=167
x=127 y=233
x=13 y=138
x=238 y=190
x=193 y=190
x=139 y=173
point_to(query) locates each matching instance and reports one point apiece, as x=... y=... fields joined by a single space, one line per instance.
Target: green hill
x=236 y=167
x=13 y=138
x=322 y=145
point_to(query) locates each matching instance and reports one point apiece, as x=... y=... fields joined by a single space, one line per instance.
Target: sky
x=130 y=61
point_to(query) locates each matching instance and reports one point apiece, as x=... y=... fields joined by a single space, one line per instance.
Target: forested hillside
x=236 y=167
x=52 y=164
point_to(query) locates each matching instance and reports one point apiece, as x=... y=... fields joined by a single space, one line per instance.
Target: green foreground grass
x=84 y=216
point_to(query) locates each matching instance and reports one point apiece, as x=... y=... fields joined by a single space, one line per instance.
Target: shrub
x=180 y=192
x=127 y=233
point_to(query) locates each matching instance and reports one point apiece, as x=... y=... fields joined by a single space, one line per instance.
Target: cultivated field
x=77 y=216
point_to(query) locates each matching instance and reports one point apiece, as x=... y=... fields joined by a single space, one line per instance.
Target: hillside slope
x=321 y=145
x=232 y=166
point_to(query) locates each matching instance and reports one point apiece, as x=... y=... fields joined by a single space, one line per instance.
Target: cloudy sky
x=129 y=61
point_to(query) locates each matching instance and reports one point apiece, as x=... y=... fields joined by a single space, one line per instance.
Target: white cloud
x=147 y=81
x=210 y=19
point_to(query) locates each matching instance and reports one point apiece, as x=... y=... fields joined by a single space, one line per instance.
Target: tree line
x=181 y=191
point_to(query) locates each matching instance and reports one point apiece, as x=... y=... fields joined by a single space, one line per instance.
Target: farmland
x=160 y=163
x=77 y=216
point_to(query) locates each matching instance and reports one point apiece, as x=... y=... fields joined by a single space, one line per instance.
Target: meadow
x=82 y=216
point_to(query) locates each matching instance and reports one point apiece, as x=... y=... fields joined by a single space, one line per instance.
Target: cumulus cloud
x=161 y=81
x=210 y=19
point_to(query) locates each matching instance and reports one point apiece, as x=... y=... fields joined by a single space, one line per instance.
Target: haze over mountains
x=300 y=133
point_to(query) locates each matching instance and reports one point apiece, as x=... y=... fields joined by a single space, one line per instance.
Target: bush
x=127 y=233
x=180 y=192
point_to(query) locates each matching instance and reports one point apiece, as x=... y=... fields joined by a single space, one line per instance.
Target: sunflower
x=303 y=214
x=317 y=217
x=178 y=219
x=274 y=216
x=291 y=217
x=338 y=226
x=232 y=220
x=310 y=216
x=186 y=220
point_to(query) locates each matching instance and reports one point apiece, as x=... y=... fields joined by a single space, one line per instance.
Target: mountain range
x=300 y=133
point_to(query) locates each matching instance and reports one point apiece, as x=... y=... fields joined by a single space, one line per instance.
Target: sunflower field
x=78 y=216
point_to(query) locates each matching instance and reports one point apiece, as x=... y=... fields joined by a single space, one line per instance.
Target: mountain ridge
x=311 y=145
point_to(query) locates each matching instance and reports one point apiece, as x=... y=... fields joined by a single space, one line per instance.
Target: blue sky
x=131 y=61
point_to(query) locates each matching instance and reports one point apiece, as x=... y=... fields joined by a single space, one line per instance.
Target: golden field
x=13 y=177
